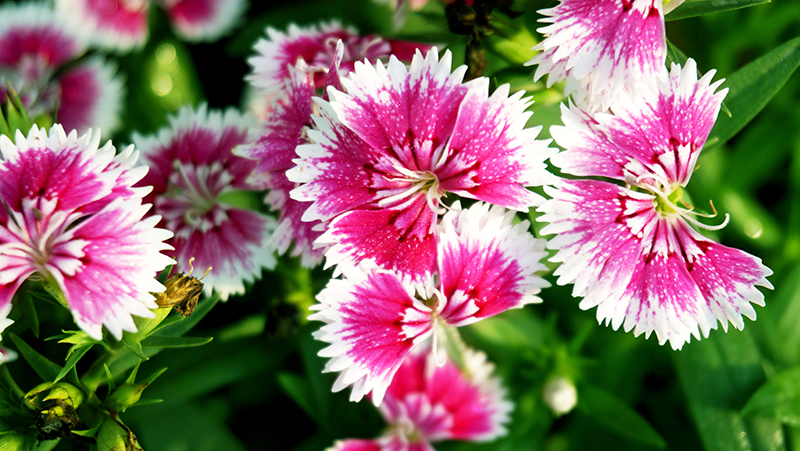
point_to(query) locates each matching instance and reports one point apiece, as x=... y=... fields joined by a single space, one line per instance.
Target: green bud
x=56 y=407
x=13 y=441
x=115 y=436
x=125 y=396
x=43 y=395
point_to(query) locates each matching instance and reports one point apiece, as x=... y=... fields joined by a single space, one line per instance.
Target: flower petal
x=486 y=265
x=654 y=133
x=615 y=43
x=373 y=320
x=203 y=20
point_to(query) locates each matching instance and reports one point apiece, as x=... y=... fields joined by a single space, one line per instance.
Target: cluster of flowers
x=626 y=243
x=361 y=144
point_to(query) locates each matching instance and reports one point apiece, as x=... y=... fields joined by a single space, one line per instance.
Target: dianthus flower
x=36 y=45
x=428 y=403
x=630 y=250
x=292 y=68
x=399 y=139
x=122 y=25
x=601 y=46
x=374 y=317
x=72 y=219
x=192 y=168
x=315 y=46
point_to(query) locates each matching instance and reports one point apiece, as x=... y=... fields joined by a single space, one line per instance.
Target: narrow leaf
x=717 y=373
x=299 y=390
x=45 y=368
x=134 y=345
x=25 y=302
x=167 y=341
x=73 y=359
x=611 y=412
x=752 y=86
x=693 y=8
x=778 y=398
x=181 y=327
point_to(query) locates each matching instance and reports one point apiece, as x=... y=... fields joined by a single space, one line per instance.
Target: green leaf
x=167 y=341
x=45 y=368
x=512 y=41
x=717 y=373
x=133 y=343
x=611 y=412
x=778 y=398
x=74 y=356
x=300 y=391
x=692 y=8
x=752 y=86
x=25 y=303
x=181 y=327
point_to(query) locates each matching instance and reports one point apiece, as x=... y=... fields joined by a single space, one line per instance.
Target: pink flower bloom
x=122 y=25
x=630 y=250
x=274 y=149
x=35 y=46
x=315 y=47
x=192 y=168
x=72 y=218
x=600 y=47
x=396 y=142
x=375 y=317
x=429 y=403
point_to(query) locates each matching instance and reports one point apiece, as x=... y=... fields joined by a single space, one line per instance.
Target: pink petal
x=192 y=165
x=204 y=20
x=33 y=31
x=401 y=240
x=651 y=272
x=486 y=265
x=491 y=155
x=91 y=96
x=373 y=320
x=617 y=43
x=655 y=133
x=110 y=24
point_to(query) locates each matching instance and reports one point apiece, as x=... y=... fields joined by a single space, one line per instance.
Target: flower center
x=669 y=202
x=419 y=181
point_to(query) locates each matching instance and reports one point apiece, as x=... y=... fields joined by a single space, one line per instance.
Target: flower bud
x=56 y=405
x=125 y=396
x=560 y=394
x=115 y=436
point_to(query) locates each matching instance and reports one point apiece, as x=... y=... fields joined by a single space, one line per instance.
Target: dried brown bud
x=182 y=293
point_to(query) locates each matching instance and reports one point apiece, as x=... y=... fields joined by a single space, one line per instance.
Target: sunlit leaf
x=752 y=86
x=779 y=398
x=692 y=8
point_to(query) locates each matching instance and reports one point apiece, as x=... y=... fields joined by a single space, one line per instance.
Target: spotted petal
x=653 y=133
x=601 y=47
x=486 y=264
x=651 y=273
x=373 y=320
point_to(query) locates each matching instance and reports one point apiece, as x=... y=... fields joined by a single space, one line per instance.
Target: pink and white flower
x=274 y=149
x=428 y=403
x=375 y=317
x=192 y=169
x=315 y=46
x=72 y=219
x=601 y=47
x=122 y=25
x=629 y=250
x=35 y=46
x=389 y=149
